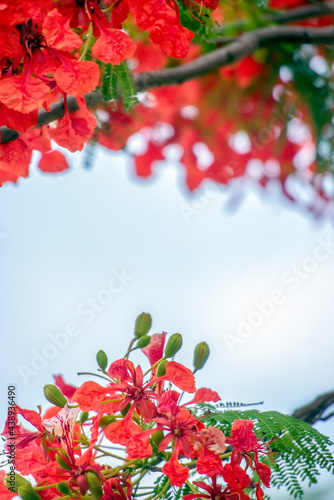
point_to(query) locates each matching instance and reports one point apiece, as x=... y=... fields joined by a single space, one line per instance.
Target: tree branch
x=303 y=12
x=284 y=17
x=243 y=46
x=314 y=411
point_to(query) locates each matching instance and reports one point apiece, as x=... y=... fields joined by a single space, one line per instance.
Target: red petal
x=21 y=122
x=122 y=369
x=67 y=389
x=209 y=464
x=58 y=33
x=31 y=416
x=173 y=40
x=139 y=447
x=77 y=77
x=235 y=477
x=168 y=403
x=38 y=138
x=23 y=93
x=177 y=473
x=15 y=158
x=10 y=42
x=74 y=130
x=144 y=162
x=51 y=412
x=264 y=473
x=53 y=161
x=155 y=349
x=113 y=46
x=180 y=376
x=203 y=395
x=89 y=395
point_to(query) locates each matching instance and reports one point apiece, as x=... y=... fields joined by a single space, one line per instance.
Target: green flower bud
x=94 y=483
x=161 y=368
x=28 y=493
x=61 y=462
x=102 y=360
x=157 y=438
x=201 y=355
x=14 y=481
x=173 y=345
x=125 y=410
x=54 y=396
x=84 y=416
x=63 y=488
x=106 y=420
x=143 y=325
x=143 y=341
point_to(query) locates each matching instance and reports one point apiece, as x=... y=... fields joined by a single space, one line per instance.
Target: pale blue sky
x=198 y=268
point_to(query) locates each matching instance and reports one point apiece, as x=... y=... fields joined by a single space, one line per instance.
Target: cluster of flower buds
x=140 y=417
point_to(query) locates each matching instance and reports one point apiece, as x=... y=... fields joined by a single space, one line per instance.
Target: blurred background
x=83 y=253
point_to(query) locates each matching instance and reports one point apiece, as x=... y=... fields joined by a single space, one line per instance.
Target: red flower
x=181 y=427
x=134 y=390
x=245 y=445
x=209 y=444
x=235 y=477
x=215 y=492
x=242 y=437
x=177 y=473
x=117 y=489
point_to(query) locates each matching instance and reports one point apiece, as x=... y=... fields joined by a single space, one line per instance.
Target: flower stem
x=130 y=348
x=153 y=366
x=110 y=454
x=87 y=42
x=94 y=375
x=161 y=493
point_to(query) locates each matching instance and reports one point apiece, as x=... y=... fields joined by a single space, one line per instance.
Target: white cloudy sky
x=63 y=239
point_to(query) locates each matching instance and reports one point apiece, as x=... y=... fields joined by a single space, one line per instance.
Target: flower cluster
x=44 y=45
x=142 y=416
x=50 y=49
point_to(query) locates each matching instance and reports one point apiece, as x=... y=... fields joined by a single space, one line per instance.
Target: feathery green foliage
x=172 y=492
x=117 y=83
x=300 y=450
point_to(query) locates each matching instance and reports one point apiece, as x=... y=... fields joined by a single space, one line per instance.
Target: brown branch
x=243 y=46
x=314 y=411
x=284 y=17
x=303 y=12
